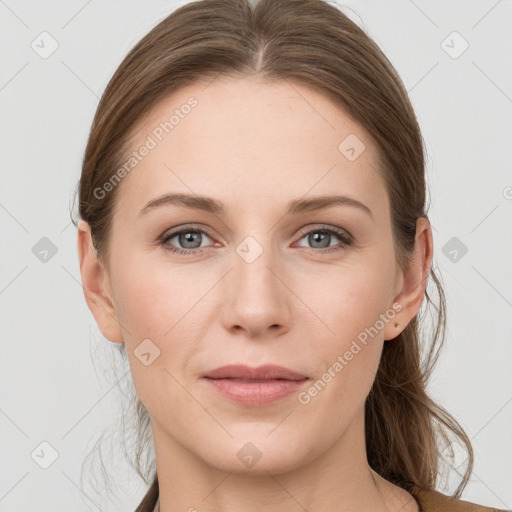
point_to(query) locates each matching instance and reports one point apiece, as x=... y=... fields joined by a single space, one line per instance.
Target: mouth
x=254 y=387
x=261 y=373
x=256 y=380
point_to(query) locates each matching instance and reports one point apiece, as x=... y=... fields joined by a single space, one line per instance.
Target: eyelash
x=345 y=237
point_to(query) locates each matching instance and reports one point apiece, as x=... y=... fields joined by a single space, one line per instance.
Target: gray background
x=50 y=390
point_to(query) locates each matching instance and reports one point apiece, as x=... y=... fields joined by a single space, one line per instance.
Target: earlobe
x=414 y=281
x=94 y=285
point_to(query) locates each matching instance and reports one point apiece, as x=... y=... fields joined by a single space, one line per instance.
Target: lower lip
x=255 y=394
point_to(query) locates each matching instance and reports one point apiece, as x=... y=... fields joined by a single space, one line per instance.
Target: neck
x=337 y=479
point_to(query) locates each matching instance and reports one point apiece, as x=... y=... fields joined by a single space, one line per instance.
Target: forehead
x=261 y=138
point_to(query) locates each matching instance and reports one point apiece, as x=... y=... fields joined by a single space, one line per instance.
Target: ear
x=412 y=281
x=96 y=285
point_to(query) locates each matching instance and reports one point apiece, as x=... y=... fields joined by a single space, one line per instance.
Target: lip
x=255 y=387
x=244 y=372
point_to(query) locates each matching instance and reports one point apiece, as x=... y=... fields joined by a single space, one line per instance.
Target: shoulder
x=435 y=501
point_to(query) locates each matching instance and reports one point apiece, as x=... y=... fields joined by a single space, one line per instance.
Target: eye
x=321 y=237
x=189 y=237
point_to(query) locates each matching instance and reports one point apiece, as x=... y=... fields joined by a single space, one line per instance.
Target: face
x=253 y=282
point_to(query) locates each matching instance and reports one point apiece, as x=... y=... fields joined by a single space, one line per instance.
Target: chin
x=254 y=452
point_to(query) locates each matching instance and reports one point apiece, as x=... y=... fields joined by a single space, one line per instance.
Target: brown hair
x=315 y=44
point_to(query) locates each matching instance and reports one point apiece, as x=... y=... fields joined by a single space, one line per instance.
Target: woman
x=254 y=237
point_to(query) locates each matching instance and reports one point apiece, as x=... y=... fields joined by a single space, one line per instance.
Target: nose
x=257 y=299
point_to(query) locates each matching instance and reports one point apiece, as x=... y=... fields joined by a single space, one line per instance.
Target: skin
x=255 y=146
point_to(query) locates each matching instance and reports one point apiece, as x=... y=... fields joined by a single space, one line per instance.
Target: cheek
x=159 y=320
x=153 y=299
x=353 y=309
x=348 y=299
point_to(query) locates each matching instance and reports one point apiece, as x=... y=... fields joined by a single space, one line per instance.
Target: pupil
x=318 y=237
x=189 y=238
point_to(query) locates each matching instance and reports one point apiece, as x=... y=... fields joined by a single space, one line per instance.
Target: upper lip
x=265 y=372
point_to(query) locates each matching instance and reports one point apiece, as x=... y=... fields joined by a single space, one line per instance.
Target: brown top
x=428 y=501
x=435 y=501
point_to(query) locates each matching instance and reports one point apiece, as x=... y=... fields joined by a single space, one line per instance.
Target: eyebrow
x=211 y=205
